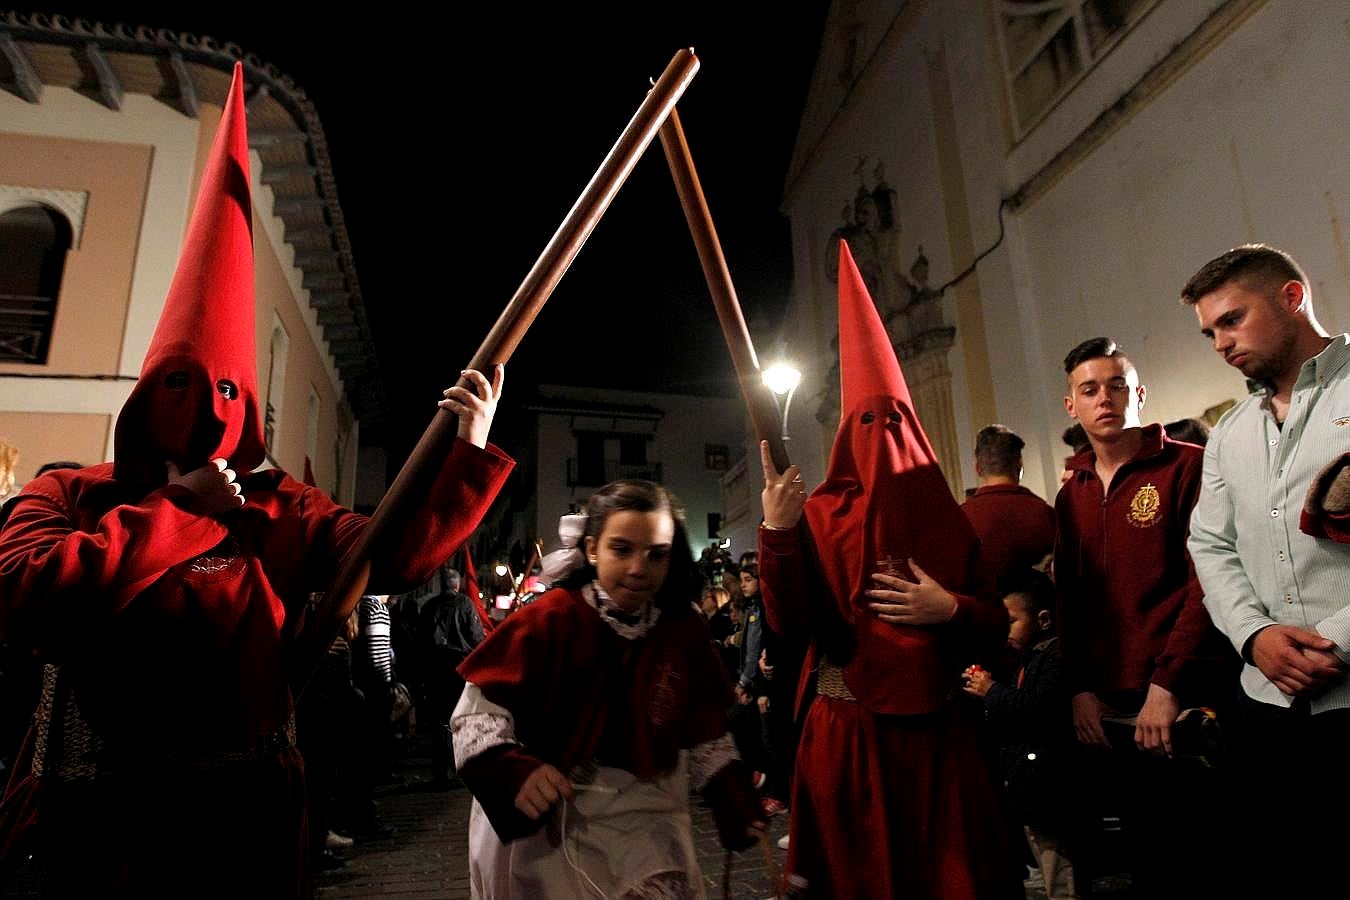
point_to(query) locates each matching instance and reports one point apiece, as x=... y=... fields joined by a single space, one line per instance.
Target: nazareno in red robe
x=170 y=631
x=892 y=796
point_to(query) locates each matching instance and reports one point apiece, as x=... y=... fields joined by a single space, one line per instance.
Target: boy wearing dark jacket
x=1035 y=732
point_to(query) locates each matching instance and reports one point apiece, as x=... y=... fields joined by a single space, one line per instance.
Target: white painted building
x=104 y=130
x=587 y=437
x=1092 y=154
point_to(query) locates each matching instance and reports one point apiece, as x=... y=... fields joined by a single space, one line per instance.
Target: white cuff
x=478 y=724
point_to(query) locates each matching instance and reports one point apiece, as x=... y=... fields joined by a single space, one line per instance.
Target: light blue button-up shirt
x=1255 y=565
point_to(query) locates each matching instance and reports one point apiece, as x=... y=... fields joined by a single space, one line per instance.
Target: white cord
x=567 y=854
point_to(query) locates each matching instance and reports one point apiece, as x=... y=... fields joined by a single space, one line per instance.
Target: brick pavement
x=427 y=857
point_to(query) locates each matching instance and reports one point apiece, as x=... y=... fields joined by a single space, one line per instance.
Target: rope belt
x=830 y=682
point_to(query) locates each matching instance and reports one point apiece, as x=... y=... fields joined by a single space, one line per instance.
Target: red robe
x=579 y=692
x=891 y=795
x=886 y=805
x=170 y=627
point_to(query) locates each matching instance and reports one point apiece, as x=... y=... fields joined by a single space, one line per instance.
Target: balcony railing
x=588 y=476
x=25 y=327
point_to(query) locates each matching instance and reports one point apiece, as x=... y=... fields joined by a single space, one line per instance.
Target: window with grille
x=1049 y=45
x=33 y=244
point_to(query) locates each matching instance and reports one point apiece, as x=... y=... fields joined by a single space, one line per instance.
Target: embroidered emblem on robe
x=1144 y=507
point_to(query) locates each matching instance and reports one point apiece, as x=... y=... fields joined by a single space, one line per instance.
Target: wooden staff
x=763 y=410
x=417 y=474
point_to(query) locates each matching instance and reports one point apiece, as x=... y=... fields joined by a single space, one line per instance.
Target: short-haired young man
x=1278 y=587
x=1015 y=527
x=1137 y=643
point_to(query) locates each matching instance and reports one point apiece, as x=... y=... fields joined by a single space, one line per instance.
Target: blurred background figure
x=448 y=630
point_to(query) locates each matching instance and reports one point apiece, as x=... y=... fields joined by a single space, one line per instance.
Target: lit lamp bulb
x=782 y=378
x=501 y=569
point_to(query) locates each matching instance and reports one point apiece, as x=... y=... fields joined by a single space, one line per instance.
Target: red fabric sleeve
x=455 y=503
x=709 y=688
x=464 y=490
x=494 y=778
x=49 y=571
x=513 y=668
x=784 y=580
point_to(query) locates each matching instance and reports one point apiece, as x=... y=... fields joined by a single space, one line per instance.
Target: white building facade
x=1092 y=154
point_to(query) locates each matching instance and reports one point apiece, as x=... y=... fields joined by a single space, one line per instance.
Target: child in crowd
x=1034 y=726
x=589 y=715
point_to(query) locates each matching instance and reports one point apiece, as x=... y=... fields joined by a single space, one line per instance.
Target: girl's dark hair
x=684 y=582
x=751 y=569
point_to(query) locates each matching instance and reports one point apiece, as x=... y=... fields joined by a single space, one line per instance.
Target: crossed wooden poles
x=656 y=114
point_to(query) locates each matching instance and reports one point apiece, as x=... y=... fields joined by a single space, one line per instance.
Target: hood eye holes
x=227 y=389
x=893 y=416
x=176 y=381
x=869 y=417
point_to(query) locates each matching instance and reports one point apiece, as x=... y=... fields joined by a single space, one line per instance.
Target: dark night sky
x=460 y=139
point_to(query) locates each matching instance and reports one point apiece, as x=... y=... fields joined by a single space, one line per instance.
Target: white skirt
x=629 y=839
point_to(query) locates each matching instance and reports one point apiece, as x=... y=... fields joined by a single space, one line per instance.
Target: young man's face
x=1254 y=332
x=1105 y=396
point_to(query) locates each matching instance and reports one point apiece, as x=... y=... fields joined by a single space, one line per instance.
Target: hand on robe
x=542 y=789
x=215 y=485
x=901 y=602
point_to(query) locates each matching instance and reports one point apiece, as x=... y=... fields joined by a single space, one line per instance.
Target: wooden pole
x=413 y=480
x=763 y=410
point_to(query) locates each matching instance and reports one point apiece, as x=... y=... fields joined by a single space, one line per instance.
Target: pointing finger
x=765 y=457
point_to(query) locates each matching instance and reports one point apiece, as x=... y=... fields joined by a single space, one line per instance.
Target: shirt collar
x=999 y=489
x=1315 y=370
x=1327 y=363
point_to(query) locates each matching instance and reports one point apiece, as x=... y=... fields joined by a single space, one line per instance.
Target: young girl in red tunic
x=589 y=715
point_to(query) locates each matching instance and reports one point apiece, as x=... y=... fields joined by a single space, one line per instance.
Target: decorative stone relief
x=70 y=204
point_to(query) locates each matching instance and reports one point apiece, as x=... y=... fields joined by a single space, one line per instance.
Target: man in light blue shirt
x=1280 y=595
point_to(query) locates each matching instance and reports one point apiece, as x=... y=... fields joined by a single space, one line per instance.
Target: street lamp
x=782 y=379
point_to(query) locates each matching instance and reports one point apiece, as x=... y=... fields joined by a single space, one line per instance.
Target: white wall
x=1249 y=139
x=1251 y=143
x=687 y=424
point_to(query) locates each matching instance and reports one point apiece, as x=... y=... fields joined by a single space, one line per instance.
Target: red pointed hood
x=884 y=500
x=202 y=351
